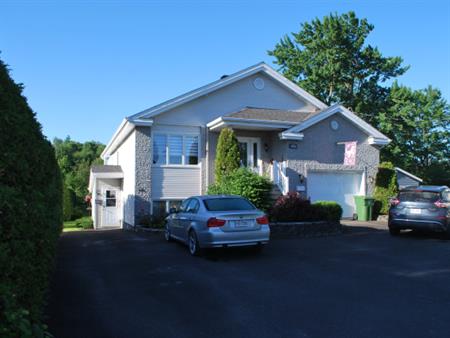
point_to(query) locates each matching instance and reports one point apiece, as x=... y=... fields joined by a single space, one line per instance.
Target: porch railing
x=278 y=176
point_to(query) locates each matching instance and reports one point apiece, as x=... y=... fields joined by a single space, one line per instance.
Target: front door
x=110 y=209
x=249 y=148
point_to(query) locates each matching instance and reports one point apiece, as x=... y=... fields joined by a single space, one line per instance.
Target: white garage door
x=336 y=186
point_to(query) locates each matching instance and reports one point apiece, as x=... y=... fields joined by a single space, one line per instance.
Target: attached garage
x=338 y=186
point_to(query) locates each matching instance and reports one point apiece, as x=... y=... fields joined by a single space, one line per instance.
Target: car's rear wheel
x=394 y=231
x=194 y=247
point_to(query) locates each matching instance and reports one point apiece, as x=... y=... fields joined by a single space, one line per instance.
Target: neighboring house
x=406 y=179
x=166 y=153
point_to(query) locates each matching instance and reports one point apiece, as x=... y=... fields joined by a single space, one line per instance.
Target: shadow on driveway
x=363 y=283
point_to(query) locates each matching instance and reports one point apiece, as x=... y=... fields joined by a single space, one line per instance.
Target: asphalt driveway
x=360 y=284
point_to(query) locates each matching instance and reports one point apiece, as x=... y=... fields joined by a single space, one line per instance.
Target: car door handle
x=183 y=218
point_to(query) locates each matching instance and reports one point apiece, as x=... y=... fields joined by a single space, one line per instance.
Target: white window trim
x=183 y=155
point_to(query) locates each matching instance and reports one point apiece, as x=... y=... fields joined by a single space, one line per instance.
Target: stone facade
x=322 y=149
x=142 y=203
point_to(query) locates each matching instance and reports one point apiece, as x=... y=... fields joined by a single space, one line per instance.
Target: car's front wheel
x=194 y=247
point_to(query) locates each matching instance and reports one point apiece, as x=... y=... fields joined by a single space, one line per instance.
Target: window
x=175 y=146
x=193 y=206
x=418 y=196
x=184 y=205
x=191 y=149
x=162 y=208
x=159 y=149
x=174 y=204
x=110 y=198
x=228 y=204
x=446 y=196
x=175 y=149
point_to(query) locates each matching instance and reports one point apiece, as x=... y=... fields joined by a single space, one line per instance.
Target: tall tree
x=330 y=59
x=418 y=122
x=75 y=159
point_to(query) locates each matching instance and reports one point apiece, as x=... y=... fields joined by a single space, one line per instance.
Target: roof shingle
x=268 y=114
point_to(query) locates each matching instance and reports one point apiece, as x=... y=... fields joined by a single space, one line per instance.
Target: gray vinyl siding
x=175 y=183
x=230 y=99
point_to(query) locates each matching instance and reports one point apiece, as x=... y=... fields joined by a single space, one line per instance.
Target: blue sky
x=87 y=65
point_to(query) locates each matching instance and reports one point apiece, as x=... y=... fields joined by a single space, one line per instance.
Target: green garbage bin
x=364 y=206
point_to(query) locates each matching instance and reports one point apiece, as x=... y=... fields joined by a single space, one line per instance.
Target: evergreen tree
x=227 y=154
x=331 y=59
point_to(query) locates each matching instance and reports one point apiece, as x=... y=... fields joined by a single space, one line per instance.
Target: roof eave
x=125 y=128
x=251 y=123
x=409 y=174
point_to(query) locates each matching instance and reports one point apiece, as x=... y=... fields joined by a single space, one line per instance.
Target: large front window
x=175 y=149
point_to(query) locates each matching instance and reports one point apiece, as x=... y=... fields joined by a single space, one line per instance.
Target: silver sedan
x=217 y=221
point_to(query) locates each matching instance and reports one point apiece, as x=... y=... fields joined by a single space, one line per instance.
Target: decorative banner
x=350 y=153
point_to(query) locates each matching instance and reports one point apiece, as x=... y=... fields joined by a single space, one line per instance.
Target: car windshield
x=228 y=204
x=418 y=196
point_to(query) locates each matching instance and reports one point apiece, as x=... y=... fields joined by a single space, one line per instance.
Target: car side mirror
x=173 y=210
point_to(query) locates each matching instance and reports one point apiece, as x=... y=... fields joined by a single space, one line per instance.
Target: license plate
x=241 y=223
x=415 y=211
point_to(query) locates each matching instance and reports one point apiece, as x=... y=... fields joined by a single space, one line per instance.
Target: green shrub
x=246 y=183
x=386 y=186
x=327 y=210
x=227 y=154
x=31 y=213
x=150 y=221
x=84 y=222
x=293 y=208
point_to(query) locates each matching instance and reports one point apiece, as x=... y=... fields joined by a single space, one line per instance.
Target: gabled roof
x=404 y=172
x=375 y=137
x=225 y=81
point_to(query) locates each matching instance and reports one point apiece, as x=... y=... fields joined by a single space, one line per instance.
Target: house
x=406 y=179
x=166 y=153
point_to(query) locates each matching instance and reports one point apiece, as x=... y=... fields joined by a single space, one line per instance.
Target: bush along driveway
x=360 y=284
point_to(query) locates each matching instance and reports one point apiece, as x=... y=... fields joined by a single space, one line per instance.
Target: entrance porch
x=105 y=185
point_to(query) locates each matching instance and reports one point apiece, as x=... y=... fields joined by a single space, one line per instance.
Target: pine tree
x=227 y=156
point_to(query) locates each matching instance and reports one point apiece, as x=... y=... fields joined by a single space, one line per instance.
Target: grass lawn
x=80 y=224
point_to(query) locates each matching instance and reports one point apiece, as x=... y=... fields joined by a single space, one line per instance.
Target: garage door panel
x=335 y=186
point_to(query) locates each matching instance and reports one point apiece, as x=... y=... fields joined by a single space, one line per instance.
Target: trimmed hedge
x=293 y=208
x=246 y=183
x=328 y=210
x=30 y=216
x=386 y=186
